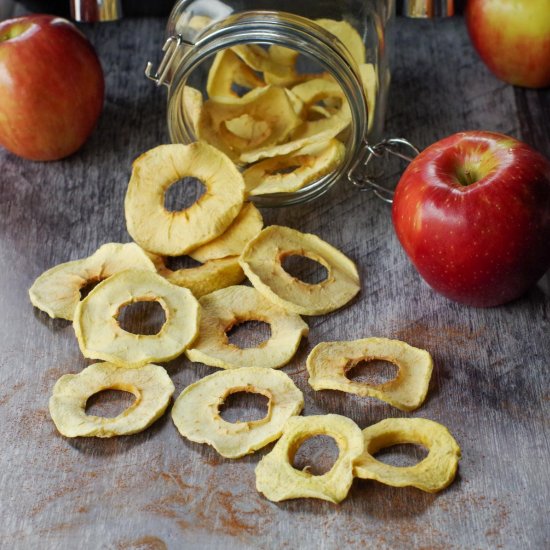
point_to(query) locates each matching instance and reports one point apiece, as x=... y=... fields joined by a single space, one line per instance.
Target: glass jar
x=342 y=43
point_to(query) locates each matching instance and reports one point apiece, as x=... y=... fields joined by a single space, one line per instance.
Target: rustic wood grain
x=156 y=490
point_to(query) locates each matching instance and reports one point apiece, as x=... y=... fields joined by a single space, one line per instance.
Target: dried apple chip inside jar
x=229 y=71
x=101 y=337
x=206 y=278
x=224 y=309
x=432 y=474
x=175 y=233
x=150 y=384
x=262 y=118
x=197 y=417
x=348 y=36
x=278 y=480
x=329 y=362
x=262 y=260
x=57 y=290
x=292 y=172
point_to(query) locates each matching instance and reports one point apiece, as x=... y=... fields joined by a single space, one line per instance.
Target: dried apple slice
x=262 y=259
x=246 y=226
x=369 y=79
x=201 y=280
x=432 y=474
x=150 y=385
x=278 y=480
x=328 y=363
x=192 y=105
x=57 y=290
x=349 y=37
x=176 y=233
x=290 y=173
x=309 y=131
x=196 y=411
x=230 y=306
x=101 y=337
x=264 y=117
x=259 y=59
x=227 y=71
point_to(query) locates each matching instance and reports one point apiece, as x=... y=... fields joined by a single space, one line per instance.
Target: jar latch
x=363 y=174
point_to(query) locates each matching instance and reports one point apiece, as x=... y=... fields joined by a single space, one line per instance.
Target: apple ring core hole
x=89 y=286
x=183 y=193
x=109 y=403
x=244 y=406
x=248 y=334
x=307 y=270
x=316 y=454
x=174 y=263
x=402 y=455
x=144 y=317
x=373 y=372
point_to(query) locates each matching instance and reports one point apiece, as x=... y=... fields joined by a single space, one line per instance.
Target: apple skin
x=482 y=243
x=51 y=85
x=512 y=37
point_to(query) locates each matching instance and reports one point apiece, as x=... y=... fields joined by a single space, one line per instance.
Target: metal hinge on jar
x=174 y=48
x=359 y=175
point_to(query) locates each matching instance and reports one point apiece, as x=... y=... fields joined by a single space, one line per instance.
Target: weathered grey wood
x=155 y=490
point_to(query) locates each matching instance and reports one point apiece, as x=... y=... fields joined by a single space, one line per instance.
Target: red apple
x=51 y=87
x=472 y=212
x=512 y=37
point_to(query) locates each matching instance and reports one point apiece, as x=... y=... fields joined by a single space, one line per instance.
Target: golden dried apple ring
x=57 y=290
x=262 y=259
x=192 y=105
x=230 y=306
x=228 y=70
x=432 y=474
x=312 y=162
x=150 y=385
x=349 y=37
x=259 y=59
x=101 y=337
x=369 y=79
x=263 y=117
x=278 y=480
x=204 y=279
x=310 y=131
x=246 y=226
x=196 y=411
x=328 y=363
x=176 y=233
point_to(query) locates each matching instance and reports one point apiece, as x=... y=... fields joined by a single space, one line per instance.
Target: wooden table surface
x=156 y=490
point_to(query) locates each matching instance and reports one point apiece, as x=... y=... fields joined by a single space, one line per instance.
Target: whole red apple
x=51 y=87
x=512 y=37
x=472 y=212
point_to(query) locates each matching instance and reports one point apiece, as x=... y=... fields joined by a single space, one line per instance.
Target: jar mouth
x=290 y=31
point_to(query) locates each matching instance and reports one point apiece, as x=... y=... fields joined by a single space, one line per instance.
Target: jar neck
x=281 y=29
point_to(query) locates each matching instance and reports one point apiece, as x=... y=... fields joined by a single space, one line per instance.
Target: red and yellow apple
x=472 y=212
x=51 y=87
x=512 y=37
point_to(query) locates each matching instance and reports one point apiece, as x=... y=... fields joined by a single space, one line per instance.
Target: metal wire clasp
x=369 y=182
x=171 y=51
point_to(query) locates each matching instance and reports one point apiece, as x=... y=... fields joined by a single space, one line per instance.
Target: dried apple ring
x=432 y=474
x=192 y=105
x=263 y=117
x=101 y=337
x=258 y=59
x=230 y=306
x=150 y=385
x=328 y=363
x=196 y=411
x=57 y=290
x=228 y=70
x=176 y=233
x=262 y=258
x=349 y=37
x=369 y=80
x=278 y=480
x=206 y=278
x=290 y=173
x=246 y=226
